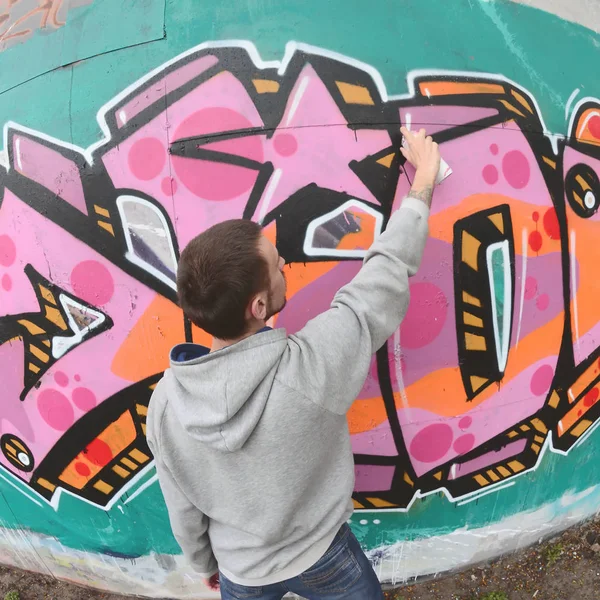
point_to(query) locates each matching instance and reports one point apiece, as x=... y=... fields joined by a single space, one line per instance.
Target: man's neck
x=218 y=344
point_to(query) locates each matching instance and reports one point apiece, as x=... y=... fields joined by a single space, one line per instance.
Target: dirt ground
x=564 y=568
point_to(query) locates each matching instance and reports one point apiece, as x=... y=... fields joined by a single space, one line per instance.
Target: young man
x=250 y=439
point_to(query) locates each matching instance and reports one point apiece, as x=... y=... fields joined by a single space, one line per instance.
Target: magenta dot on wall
x=84 y=399
x=543 y=301
x=147 y=158
x=92 y=282
x=542 y=380
x=465 y=423
x=426 y=315
x=214 y=181
x=432 y=442
x=531 y=287
x=6 y=282
x=55 y=409
x=515 y=167
x=61 y=379
x=285 y=144
x=494 y=149
x=77 y=378
x=464 y=443
x=217 y=120
x=490 y=174
x=82 y=469
x=168 y=186
x=218 y=181
x=8 y=251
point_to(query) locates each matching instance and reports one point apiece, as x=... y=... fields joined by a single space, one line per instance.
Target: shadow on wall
x=497 y=359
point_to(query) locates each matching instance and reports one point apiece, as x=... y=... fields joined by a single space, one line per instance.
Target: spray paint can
x=444 y=171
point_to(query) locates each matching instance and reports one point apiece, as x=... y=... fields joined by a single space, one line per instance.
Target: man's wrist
x=422 y=187
x=424 y=179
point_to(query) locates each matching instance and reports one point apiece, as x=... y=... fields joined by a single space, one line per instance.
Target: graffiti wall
x=20 y=18
x=474 y=432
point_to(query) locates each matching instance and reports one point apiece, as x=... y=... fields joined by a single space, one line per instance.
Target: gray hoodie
x=251 y=442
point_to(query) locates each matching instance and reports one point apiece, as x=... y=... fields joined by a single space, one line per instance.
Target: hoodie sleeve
x=331 y=355
x=189 y=524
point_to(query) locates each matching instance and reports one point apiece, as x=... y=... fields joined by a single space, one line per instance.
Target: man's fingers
x=404 y=153
x=408 y=135
x=411 y=137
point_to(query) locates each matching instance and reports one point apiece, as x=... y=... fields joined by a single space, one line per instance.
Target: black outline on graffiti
x=513 y=106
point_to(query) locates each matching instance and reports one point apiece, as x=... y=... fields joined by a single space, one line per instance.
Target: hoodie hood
x=219 y=397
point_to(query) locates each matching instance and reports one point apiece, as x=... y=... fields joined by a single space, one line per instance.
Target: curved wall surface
x=130 y=127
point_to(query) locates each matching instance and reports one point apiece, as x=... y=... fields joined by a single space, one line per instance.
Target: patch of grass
x=494 y=596
x=552 y=553
x=13 y=595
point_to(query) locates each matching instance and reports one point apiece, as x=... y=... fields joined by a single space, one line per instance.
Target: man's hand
x=212 y=583
x=423 y=153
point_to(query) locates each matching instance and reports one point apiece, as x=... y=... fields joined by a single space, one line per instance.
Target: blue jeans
x=344 y=572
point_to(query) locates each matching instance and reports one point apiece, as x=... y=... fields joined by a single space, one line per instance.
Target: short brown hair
x=219 y=271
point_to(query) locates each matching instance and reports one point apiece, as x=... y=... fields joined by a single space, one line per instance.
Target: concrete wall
x=474 y=433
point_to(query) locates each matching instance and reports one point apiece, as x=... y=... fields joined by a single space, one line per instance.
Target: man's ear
x=258 y=307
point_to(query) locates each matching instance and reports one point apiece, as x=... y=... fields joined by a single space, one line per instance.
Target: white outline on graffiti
x=502 y=341
x=62 y=344
x=281 y=66
x=311 y=250
x=130 y=255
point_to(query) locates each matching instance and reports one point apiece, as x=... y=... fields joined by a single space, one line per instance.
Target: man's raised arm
x=333 y=351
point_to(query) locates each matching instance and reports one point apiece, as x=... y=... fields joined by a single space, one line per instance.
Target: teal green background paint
x=56 y=82
x=469 y=36
x=91 y=30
